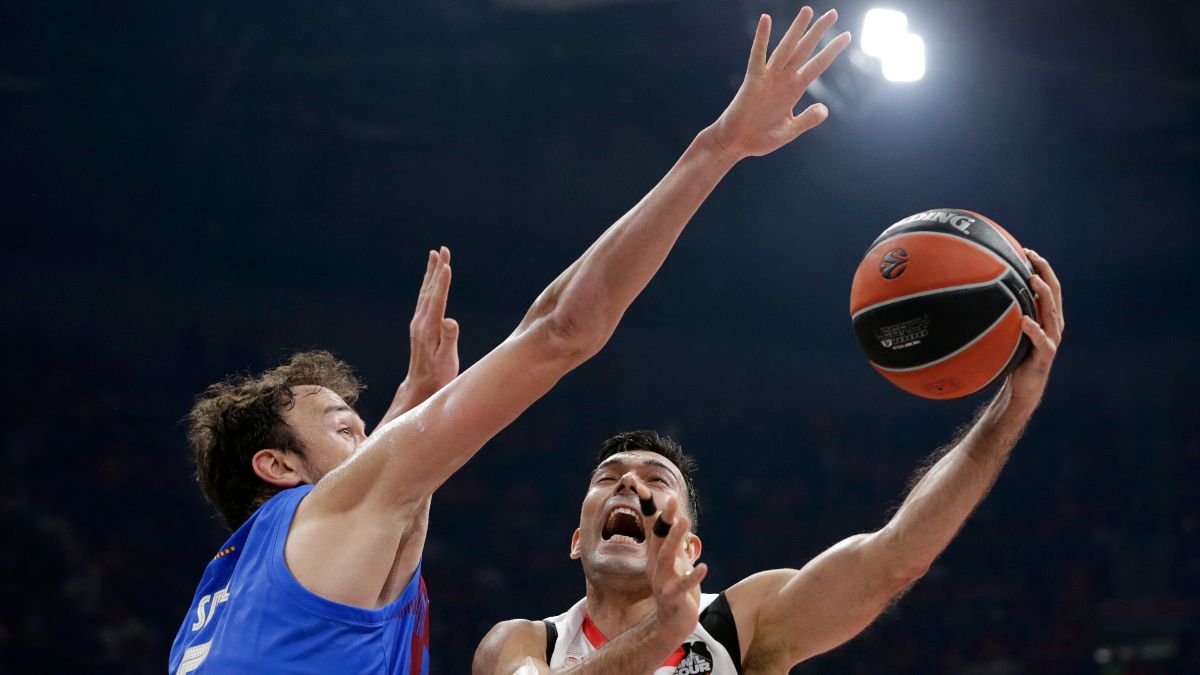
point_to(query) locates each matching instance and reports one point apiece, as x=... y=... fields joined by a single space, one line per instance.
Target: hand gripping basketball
x=1028 y=381
x=674 y=580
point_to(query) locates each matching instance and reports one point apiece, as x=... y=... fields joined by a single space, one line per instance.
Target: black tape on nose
x=648 y=507
x=661 y=527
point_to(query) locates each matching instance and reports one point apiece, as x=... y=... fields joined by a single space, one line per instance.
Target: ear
x=694 y=546
x=279 y=468
x=576 y=554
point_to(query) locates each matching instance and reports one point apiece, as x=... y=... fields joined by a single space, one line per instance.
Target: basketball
x=936 y=304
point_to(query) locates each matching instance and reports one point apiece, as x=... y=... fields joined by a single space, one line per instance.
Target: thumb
x=449 y=331
x=811 y=117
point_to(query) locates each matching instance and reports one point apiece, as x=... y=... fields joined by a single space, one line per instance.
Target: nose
x=627 y=482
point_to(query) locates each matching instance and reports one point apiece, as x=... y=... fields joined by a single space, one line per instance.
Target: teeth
x=610 y=525
x=622 y=509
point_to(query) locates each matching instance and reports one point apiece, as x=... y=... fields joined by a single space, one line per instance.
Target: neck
x=614 y=607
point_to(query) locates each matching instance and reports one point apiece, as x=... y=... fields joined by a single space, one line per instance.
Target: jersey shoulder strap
x=717 y=619
x=551 y=638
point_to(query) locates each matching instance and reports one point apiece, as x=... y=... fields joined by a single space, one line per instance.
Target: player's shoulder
x=517 y=628
x=514 y=635
x=508 y=641
x=747 y=596
x=755 y=587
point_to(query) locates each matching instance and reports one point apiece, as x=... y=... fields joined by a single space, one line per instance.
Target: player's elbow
x=571 y=334
x=908 y=573
x=905 y=564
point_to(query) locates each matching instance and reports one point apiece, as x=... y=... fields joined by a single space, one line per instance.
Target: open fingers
x=1051 y=318
x=758 y=51
x=439 y=291
x=1044 y=348
x=654 y=541
x=1045 y=271
x=819 y=63
x=676 y=525
x=431 y=262
x=806 y=44
x=646 y=499
x=693 y=578
x=787 y=44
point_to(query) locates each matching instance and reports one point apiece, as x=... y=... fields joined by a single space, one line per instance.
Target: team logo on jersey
x=696 y=659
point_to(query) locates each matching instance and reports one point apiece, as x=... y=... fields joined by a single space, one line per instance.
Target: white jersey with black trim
x=712 y=646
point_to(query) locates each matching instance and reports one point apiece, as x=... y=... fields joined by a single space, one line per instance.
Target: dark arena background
x=191 y=190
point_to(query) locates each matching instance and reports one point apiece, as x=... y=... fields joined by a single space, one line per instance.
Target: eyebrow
x=337 y=407
x=652 y=462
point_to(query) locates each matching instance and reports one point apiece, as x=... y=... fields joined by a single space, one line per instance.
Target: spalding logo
x=894 y=263
x=957 y=221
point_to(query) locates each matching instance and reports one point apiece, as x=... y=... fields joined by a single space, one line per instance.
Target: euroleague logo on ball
x=894 y=263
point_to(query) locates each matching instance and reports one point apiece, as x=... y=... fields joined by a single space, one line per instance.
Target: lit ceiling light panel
x=881 y=28
x=905 y=59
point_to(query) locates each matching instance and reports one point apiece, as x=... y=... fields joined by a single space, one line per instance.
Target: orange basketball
x=936 y=303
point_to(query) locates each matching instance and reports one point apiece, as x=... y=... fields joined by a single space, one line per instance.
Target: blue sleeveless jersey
x=250 y=615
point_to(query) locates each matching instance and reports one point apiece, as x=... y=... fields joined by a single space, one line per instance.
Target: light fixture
x=881 y=27
x=904 y=61
x=885 y=36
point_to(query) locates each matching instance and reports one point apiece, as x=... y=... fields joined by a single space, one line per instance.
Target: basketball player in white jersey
x=643 y=611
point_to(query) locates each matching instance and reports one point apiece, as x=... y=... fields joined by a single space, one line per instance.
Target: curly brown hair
x=234 y=419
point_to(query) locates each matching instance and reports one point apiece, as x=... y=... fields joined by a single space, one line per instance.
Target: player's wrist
x=412 y=392
x=722 y=150
x=666 y=632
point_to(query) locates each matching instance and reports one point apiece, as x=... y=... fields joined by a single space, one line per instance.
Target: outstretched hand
x=1028 y=380
x=674 y=579
x=432 y=337
x=760 y=119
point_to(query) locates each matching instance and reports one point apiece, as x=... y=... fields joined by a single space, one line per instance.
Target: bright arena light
x=880 y=29
x=905 y=59
x=885 y=36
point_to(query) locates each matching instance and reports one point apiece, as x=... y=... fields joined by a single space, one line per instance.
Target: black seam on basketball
x=963 y=348
x=1000 y=235
x=956 y=237
x=935 y=291
x=884 y=236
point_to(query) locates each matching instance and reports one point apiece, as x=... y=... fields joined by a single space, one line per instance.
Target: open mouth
x=623 y=525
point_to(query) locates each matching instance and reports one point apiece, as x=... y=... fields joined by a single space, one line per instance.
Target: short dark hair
x=647 y=439
x=234 y=419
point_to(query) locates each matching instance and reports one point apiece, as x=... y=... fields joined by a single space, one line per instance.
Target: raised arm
x=374 y=502
x=786 y=616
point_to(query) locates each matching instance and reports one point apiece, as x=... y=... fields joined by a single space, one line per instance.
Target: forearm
x=591 y=295
x=640 y=649
x=408 y=396
x=943 y=498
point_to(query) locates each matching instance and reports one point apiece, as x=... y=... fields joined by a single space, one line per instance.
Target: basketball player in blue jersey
x=643 y=611
x=323 y=571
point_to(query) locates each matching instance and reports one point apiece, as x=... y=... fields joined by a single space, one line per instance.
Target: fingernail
x=661 y=527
